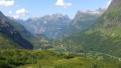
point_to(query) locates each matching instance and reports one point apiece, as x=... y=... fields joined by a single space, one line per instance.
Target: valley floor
x=49 y=59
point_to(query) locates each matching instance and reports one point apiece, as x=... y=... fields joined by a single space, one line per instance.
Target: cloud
x=20 y=13
x=98 y=11
x=108 y=3
x=7 y=3
x=62 y=3
x=10 y=12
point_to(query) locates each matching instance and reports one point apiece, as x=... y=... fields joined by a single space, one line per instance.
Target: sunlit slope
x=104 y=36
x=49 y=59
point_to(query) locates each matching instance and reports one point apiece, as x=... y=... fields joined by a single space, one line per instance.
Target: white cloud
x=10 y=12
x=20 y=13
x=98 y=11
x=62 y=3
x=15 y=16
x=6 y=3
x=108 y=3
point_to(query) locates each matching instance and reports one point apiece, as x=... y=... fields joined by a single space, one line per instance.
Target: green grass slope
x=104 y=36
x=6 y=43
x=48 y=59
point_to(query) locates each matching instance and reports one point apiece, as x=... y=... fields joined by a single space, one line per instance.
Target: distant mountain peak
x=96 y=11
x=57 y=15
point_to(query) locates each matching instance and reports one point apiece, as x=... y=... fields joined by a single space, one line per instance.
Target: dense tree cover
x=11 y=58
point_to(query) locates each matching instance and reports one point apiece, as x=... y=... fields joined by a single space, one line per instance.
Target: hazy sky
x=35 y=8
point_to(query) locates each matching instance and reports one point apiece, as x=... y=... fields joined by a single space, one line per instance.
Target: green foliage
x=113 y=14
x=48 y=59
x=6 y=43
x=13 y=58
x=40 y=42
x=104 y=36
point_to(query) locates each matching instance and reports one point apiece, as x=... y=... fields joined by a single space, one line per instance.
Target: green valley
x=92 y=39
x=48 y=59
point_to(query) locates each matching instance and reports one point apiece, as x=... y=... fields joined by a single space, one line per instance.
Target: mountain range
x=104 y=36
x=56 y=26
x=86 y=32
x=89 y=40
x=41 y=31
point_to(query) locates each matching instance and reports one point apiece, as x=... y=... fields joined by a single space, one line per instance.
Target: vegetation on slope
x=6 y=43
x=48 y=59
x=104 y=36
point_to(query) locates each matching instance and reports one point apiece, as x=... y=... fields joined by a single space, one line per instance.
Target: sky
x=24 y=9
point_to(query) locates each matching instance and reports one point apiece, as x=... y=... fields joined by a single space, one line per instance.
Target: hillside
x=42 y=30
x=52 y=26
x=10 y=35
x=56 y=26
x=84 y=20
x=104 y=36
x=6 y=43
x=49 y=59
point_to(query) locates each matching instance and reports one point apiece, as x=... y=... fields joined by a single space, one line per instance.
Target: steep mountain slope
x=51 y=26
x=21 y=28
x=57 y=25
x=85 y=19
x=105 y=36
x=39 y=41
x=8 y=30
x=54 y=26
x=6 y=43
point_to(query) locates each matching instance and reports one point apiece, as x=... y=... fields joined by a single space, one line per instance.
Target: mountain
x=104 y=36
x=85 y=19
x=10 y=33
x=51 y=26
x=21 y=28
x=39 y=41
x=55 y=26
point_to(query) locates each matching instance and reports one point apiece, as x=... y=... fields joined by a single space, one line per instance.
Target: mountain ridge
x=57 y=25
x=9 y=31
x=104 y=36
